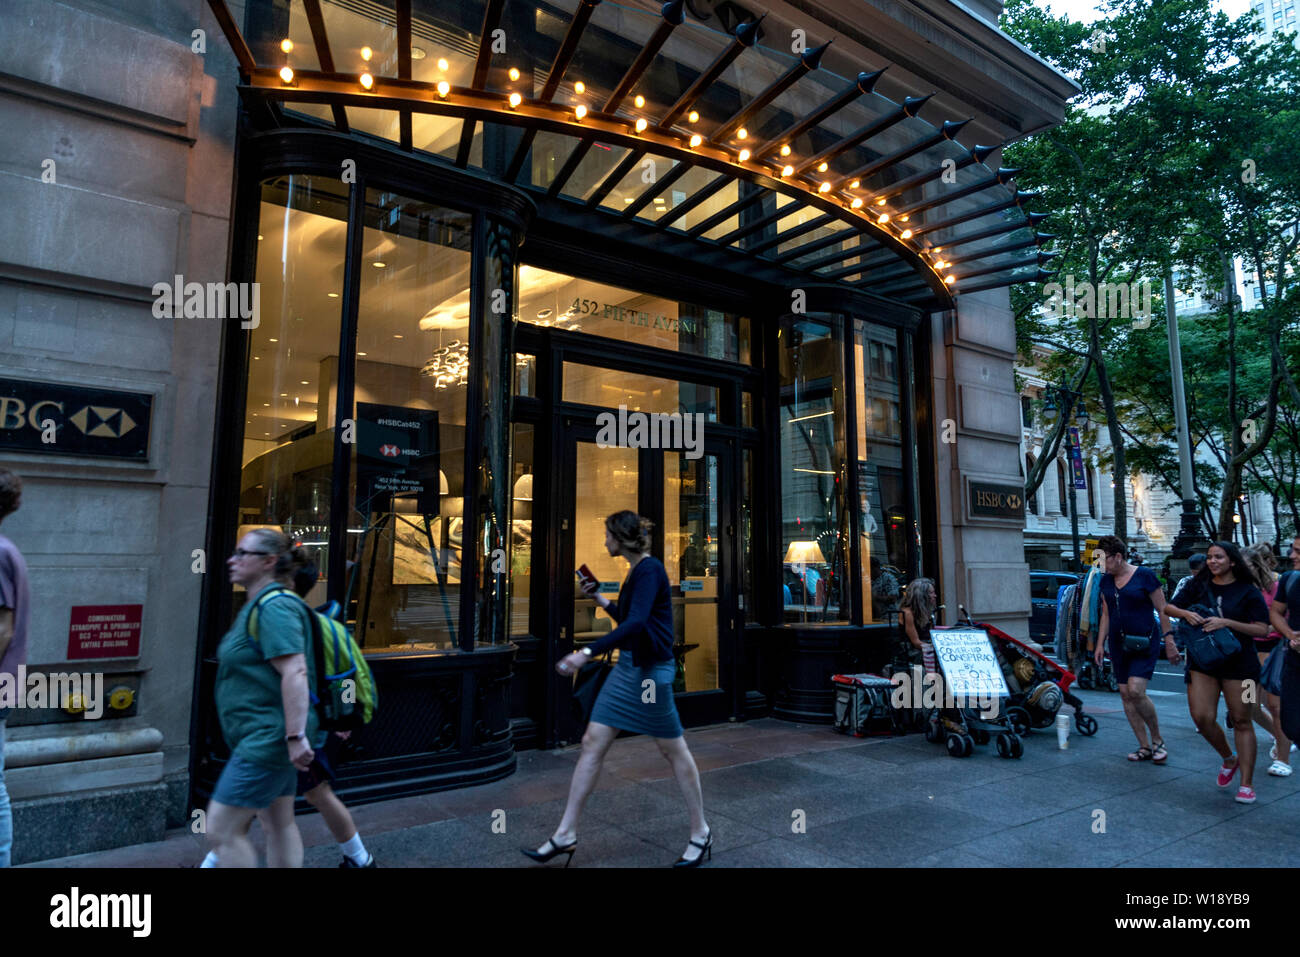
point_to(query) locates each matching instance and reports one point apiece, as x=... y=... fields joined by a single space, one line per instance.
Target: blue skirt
x=625 y=700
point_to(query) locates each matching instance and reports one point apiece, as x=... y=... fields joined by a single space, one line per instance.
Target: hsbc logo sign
x=390 y=451
x=74 y=420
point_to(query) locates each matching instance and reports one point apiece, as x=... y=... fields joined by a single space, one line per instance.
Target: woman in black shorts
x=1227 y=585
x=1131 y=599
x=1267 y=710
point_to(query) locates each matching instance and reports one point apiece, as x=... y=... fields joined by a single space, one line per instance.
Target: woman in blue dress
x=1133 y=604
x=644 y=637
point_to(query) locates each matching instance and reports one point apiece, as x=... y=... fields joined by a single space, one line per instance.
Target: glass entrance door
x=687 y=495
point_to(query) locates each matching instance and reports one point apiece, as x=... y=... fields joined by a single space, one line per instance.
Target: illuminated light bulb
x=443 y=65
x=785 y=150
x=950 y=279
x=855 y=184
x=443 y=88
x=639 y=101
x=744 y=155
x=906 y=234
x=821 y=168
x=938 y=249
x=882 y=218
x=286 y=45
x=579 y=87
x=514 y=74
x=902 y=219
x=641 y=124
x=367 y=80
x=367 y=53
x=696 y=140
x=286 y=74
x=742 y=133
x=787 y=170
x=824 y=188
x=857 y=203
x=880 y=202
x=693 y=117
x=515 y=100
x=580 y=111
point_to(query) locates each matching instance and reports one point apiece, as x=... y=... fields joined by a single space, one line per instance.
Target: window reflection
x=406 y=496
x=813 y=536
x=288 y=449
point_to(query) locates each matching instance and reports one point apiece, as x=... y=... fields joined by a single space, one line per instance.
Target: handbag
x=1206 y=650
x=587 y=684
x=1270 y=673
x=1137 y=645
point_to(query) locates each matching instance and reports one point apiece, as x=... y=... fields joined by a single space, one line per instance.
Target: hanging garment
x=1065 y=620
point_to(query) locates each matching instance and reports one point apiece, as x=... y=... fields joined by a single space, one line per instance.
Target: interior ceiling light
x=286 y=45
x=787 y=170
x=417 y=53
x=515 y=100
x=785 y=150
x=443 y=88
x=744 y=155
x=286 y=74
x=696 y=140
x=950 y=278
x=742 y=133
x=639 y=101
x=580 y=111
x=367 y=80
x=824 y=187
x=379 y=265
x=514 y=74
x=902 y=219
x=882 y=218
x=880 y=202
x=580 y=88
x=332 y=295
x=693 y=117
x=857 y=203
x=906 y=234
x=641 y=124
x=822 y=167
x=367 y=53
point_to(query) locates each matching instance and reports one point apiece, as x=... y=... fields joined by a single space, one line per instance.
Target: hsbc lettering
x=72 y=420
x=998 y=500
x=988 y=500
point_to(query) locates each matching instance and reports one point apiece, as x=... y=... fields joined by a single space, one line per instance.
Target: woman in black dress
x=1226 y=585
x=638 y=694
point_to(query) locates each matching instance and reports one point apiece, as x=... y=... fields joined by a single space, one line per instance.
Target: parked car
x=1043 y=588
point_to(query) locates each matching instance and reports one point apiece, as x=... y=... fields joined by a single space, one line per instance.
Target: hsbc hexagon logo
x=389 y=451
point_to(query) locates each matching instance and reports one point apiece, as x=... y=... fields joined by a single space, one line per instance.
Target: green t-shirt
x=249 y=703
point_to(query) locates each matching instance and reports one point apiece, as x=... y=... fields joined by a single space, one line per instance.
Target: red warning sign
x=104 y=631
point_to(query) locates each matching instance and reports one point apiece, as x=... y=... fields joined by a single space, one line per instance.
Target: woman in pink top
x=1266 y=712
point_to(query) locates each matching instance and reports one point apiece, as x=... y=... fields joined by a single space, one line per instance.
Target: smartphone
x=585 y=575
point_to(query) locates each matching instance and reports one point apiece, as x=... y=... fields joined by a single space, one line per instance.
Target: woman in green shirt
x=263 y=705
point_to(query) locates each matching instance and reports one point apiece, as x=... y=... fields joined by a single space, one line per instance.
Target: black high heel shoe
x=544 y=856
x=705 y=849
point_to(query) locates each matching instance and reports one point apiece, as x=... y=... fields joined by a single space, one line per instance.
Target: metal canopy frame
x=863 y=212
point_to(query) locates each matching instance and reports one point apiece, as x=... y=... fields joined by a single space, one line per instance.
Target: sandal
x=1141 y=754
x=1158 y=752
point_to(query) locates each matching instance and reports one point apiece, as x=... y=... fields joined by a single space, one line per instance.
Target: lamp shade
x=803 y=553
x=524 y=487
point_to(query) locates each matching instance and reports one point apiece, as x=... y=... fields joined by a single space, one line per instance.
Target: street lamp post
x=1068 y=399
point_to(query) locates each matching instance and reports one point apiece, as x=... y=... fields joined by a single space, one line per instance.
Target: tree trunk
x=1112 y=425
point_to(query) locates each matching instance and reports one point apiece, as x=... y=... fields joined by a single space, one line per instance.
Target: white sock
x=210 y=860
x=354 y=850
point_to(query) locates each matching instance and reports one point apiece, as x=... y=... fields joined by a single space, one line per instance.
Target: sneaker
x=348 y=863
x=1279 y=769
x=1245 y=795
x=1226 y=774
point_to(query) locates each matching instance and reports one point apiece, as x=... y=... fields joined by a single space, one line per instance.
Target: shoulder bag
x=1206 y=650
x=1270 y=673
x=587 y=684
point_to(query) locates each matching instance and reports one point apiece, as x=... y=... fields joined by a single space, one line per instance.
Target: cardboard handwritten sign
x=970 y=667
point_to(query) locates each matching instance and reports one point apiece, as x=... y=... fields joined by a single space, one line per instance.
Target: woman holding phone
x=638 y=694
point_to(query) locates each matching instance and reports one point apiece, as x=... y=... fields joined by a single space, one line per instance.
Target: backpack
x=345 y=696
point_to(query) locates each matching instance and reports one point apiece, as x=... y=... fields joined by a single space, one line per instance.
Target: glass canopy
x=634 y=113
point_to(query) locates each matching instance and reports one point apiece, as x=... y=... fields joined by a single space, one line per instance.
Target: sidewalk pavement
x=867 y=802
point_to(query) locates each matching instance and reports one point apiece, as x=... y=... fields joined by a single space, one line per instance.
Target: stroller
x=961 y=727
x=1038 y=686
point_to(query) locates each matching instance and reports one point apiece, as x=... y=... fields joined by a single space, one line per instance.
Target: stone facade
x=116 y=171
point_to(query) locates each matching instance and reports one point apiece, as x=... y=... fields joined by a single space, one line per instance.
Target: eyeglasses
x=241 y=552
